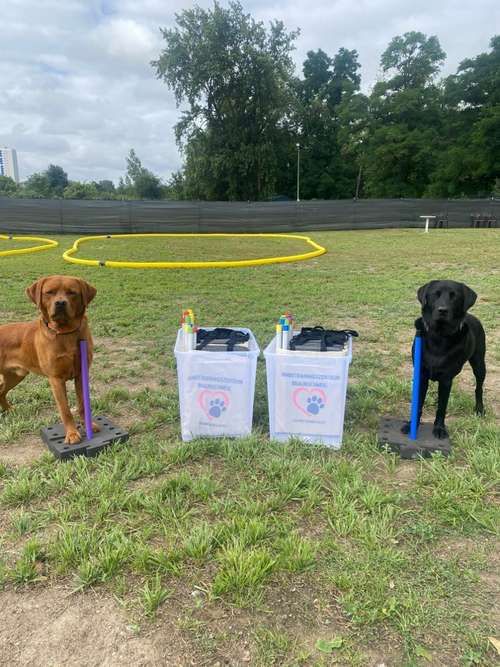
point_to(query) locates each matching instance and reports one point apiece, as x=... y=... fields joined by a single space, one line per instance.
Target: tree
x=46 y=184
x=37 y=186
x=77 y=190
x=405 y=131
x=8 y=187
x=317 y=71
x=470 y=163
x=139 y=181
x=134 y=166
x=104 y=187
x=57 y=179
x=234 y=76
x=414 y=60
x=327 y=81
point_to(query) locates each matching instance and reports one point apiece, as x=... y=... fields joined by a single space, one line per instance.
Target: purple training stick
x=85 y=388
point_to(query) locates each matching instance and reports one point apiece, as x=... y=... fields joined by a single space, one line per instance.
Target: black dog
x=450 y=337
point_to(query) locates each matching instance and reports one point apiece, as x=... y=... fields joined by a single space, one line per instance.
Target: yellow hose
x=318 y=250
x=48 y=244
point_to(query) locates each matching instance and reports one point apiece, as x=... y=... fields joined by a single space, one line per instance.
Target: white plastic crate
x=216 y=390
x=306 y=394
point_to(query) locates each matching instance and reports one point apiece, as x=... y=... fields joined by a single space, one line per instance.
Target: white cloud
x=126 y=39
x=78 y=89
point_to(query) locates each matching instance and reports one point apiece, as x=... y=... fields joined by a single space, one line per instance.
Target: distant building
x=8 y=163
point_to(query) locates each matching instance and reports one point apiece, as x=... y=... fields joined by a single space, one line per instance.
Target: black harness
x=328 y=338
x=231 y=337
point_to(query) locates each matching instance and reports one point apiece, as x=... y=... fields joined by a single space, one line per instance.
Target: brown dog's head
x=61 y=299
x=444 y=304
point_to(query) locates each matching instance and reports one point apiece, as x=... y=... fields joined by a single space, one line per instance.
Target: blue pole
x=417 y=356
x=85 y=389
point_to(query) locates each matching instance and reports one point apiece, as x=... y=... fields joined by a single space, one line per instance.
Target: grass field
x=221 y=552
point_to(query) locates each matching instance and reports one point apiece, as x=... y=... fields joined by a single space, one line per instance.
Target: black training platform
x=53 y=436
x=389 y=435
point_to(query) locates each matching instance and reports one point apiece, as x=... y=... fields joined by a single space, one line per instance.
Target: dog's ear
x=88 y=292
x=469 y=297
x=422 y=292
x=34 y=292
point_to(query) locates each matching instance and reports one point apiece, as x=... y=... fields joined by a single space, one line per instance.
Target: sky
x=77 y=88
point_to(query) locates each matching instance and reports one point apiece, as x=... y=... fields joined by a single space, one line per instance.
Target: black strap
x=232 y=336
x=326 y=337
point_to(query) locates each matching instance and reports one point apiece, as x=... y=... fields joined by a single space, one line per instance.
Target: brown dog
x=49 y=346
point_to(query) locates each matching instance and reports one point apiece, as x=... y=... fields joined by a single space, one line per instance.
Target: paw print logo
x=314 y=404
x=217 y=407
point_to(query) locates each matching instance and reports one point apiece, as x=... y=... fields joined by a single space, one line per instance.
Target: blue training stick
x=417 y=356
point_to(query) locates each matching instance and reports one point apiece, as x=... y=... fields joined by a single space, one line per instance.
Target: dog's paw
x=439 y=431
x=95 y=427
x=480 y=410
x=72 y=437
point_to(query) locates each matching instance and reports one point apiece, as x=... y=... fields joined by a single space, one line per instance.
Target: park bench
x=482 y=220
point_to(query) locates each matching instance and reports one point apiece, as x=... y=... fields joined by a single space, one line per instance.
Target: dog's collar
x=61 y=333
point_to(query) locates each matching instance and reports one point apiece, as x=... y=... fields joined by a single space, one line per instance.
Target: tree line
x=246 y=116
x=138 y=183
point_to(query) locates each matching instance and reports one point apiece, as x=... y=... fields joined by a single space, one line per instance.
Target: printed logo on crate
x=217 y=404
x=213 y=403
x=309 y=404
x=215 y=397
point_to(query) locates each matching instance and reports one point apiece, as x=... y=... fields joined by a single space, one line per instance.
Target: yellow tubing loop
x=47 y=244
x=318 y=250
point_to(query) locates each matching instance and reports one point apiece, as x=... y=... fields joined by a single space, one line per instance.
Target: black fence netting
x=60 y=216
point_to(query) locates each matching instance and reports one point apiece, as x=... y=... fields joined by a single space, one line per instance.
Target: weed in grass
x=4 y=470
x=114 y=552
x=87 y=574
x=457 y=496
x=23 y=488
x=242 y=572
x=4 y=575
x=196 y=450
x=291 y=480
x=148 y=560
x=343 y=517
x=242 y=452
x=22 y=523
x=273 y=647
x=204 y=487
x=111 y=553
x=198 y=543
x=372 y=497
x=72 y=546
x=367 y=597
x=153 y=594
x=27 y=567
x=296 y=554
x=170 y=502
x=246 y=532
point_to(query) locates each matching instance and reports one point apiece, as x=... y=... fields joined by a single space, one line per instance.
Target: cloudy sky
x=76 y=87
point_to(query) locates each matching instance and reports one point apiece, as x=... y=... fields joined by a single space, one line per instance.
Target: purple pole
x=85 y=388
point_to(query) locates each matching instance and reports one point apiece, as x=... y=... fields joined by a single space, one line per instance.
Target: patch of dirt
x=405 y=473
x=383 y=656
x=24 y=452
x=126 y=358
x=51 y=627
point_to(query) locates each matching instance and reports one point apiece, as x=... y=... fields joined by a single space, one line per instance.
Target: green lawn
x=252 y=552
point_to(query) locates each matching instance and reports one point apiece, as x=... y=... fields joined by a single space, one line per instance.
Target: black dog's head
x=444 y=304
